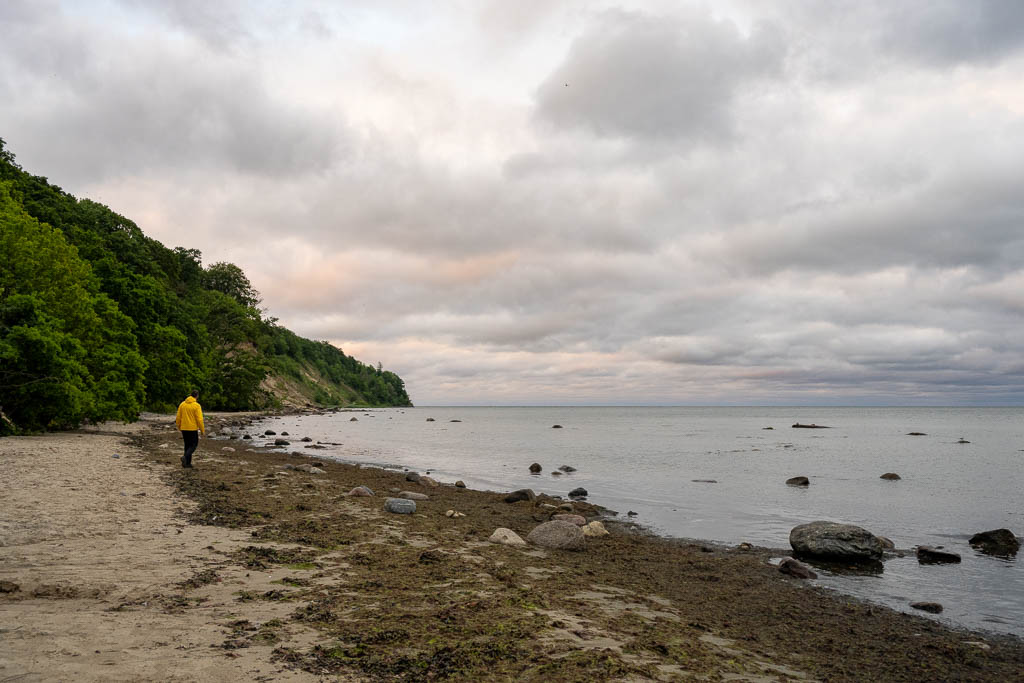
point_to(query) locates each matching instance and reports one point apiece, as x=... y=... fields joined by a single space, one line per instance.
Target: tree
x=229 y=279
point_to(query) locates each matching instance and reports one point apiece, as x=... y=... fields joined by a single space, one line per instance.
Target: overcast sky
x=542 y=202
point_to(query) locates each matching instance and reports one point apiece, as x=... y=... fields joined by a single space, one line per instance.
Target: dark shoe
x=183 y=461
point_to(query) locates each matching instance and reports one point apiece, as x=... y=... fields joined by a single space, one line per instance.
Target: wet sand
x=131 y=568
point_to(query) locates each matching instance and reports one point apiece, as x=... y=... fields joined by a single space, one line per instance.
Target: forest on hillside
x=99 y=322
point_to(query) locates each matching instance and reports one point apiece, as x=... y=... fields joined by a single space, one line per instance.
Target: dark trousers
x=191 y=439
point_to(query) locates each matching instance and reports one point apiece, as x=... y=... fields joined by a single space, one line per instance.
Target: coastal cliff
x=99 y=322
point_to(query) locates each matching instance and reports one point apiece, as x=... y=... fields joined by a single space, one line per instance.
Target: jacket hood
x=191 y=399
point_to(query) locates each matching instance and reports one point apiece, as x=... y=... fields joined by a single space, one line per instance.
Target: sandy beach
x=116 y=564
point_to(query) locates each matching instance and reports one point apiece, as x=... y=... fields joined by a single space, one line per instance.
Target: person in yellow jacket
x=190 y=422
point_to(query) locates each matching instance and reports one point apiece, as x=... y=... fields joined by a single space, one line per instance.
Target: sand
x=96 y=545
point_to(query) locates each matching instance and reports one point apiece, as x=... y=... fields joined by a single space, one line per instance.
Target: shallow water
x=646 y=460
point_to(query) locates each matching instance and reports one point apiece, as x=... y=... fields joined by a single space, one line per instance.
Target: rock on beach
x=559 y=535
x=594 y=530
x=798 y=481
x=506 y=537
x=413 y=495
x=796 y=568
x=520 y=495
x=400 y=506
x=578 y=520
x=829 y=540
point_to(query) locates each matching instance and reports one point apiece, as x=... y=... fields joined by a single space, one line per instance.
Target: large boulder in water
x=1000 y=542
x=832 y=541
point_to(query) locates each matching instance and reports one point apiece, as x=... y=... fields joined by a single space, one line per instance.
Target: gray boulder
x=798 y=481
x=460 y=484
x=400 y=506
x=558 y=535
x=579 y=492
x=412 y=476
x=282 y=442
x=1000 y=542
x=929 y=555
x=829 y=540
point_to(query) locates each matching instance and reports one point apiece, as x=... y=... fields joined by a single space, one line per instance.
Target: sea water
x=718 y=474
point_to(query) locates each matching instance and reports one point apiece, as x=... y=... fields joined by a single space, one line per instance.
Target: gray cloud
x=798 y=203
x=639 y=75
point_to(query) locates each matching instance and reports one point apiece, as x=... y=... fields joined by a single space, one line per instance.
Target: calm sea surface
x=646 y=460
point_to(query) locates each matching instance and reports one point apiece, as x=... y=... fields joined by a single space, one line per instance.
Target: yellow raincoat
x=190 y=416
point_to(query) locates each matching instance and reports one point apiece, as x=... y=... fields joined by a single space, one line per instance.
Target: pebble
x=361 y=491
x=413 y=495
x=594 y=529
x=454 y=514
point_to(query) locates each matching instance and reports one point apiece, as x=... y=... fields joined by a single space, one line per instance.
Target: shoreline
x=365 y=594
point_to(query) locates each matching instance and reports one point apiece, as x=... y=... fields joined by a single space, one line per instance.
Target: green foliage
x=98 y=321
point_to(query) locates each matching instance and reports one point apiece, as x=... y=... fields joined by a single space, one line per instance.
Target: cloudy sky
x=544 y=202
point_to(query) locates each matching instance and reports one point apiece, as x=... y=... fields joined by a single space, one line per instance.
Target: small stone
x=361 y=492
x=798 y=481
x=228 y=449
x=282 y=442
x=891 y=476
x=354 y=419
x=449 y=513
x=165 y=445
x=632 y=514
x=520 y=495
x=400 y=506
x=932 y=607
x=796 y=568
x=430 y=419
x=115 y=456
x=916 y=434
x=284 y=433
x=556 y=473
x=428 y=481
x=246 y=437
x=535 y=468
x=704 y=481
x=567 y=468
x=11 y=587
x=566 y=506
x=929 y=555
x=412 y=476
x=316 y=470
x=963 y=440
x=556 y=426
x=455 y=420
x=506 y=537
x=269 y=432
x=306 y=439
x=744 y=546
x=887 y=543
x=460 y=484
x=978 y=644
x=413 y=495
x=578 y=492
x=594 y=530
